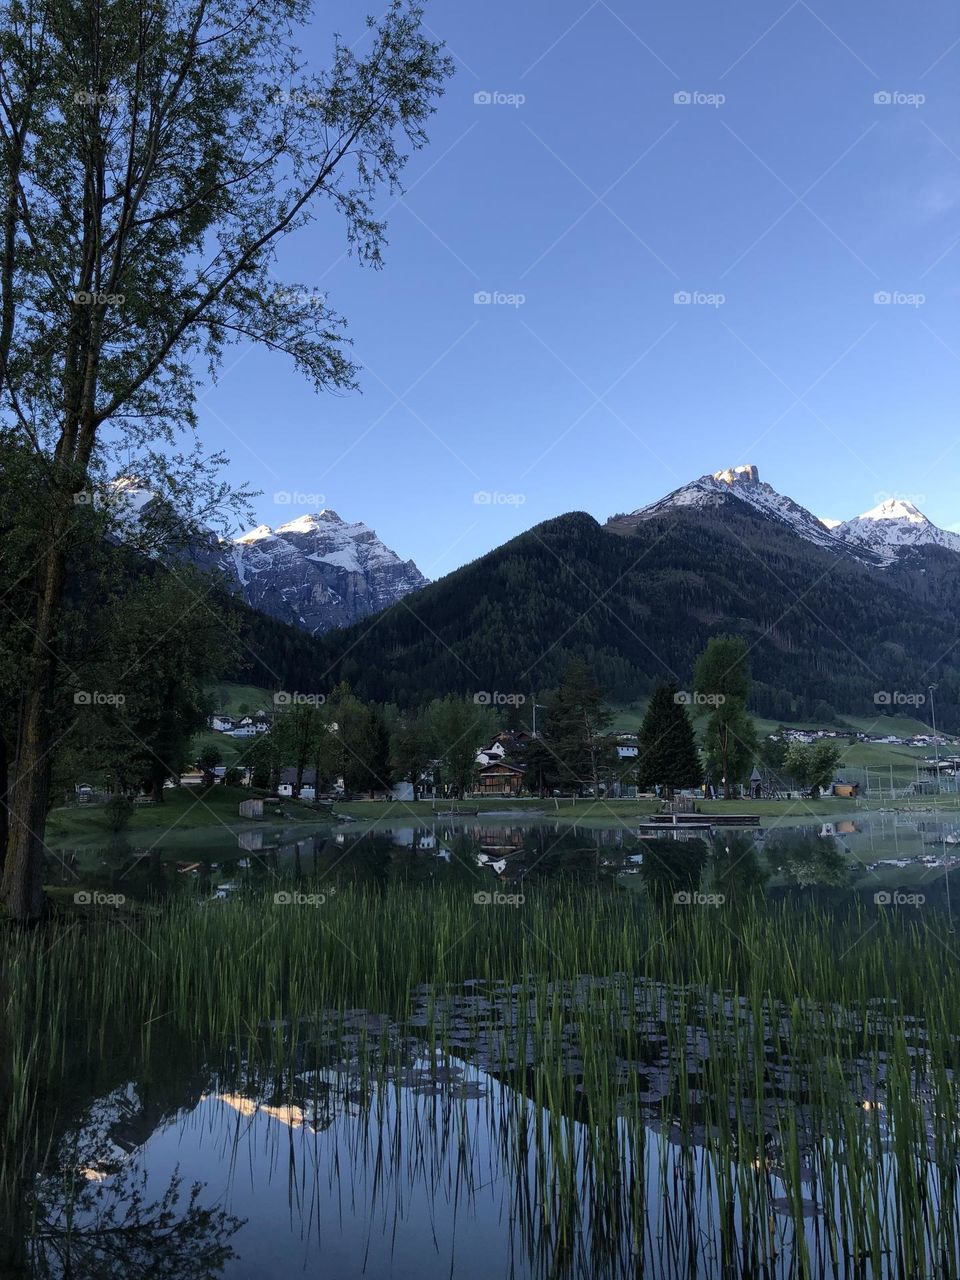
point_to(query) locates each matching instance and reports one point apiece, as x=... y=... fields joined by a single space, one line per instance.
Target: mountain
x=742 y=484
x=317 y=571
x=877 y=537
x=893 y=526
x=830 y=628
x=848 y=620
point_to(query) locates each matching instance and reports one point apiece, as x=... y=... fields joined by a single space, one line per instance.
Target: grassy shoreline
x=189 y=809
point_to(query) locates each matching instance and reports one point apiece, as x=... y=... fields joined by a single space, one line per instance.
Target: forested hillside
x=639 y=600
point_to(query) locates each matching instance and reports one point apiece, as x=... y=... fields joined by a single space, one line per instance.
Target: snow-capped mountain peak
x=317 y=570
x=893 y=525
x=747 y=474
x=895 y=509
x=260 y=534
x=878 y=536
x=742 y=483
x=309 y=523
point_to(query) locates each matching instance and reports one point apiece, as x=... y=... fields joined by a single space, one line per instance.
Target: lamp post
x=936 y=745
x=936 y=755
x=536 y=705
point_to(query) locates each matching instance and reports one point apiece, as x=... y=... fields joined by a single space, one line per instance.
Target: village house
x=499 y=779
x=288 y=783
x=491 y=754
x=249 y=728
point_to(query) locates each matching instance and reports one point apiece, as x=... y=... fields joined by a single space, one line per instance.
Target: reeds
x=770 y=1090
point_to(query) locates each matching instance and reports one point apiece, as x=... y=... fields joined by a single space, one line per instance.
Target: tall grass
x=781 y=1081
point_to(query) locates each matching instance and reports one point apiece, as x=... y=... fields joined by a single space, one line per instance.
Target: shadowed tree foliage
x=152 y=158
x=813 y=764
x=667 y=754
x=412 y=750
x=672 y=867
x=721 y=680
x=576 y=719
x=459 y=728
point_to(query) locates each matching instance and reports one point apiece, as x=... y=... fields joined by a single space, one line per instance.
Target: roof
x=288 y=777
x=500 y=767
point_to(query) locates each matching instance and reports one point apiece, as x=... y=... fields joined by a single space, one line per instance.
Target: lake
x=860 y=854
x=495 y=1047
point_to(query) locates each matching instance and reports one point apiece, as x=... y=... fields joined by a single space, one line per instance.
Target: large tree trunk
x=4 y=799
x=13 y=1223
x=21 y=889
x=158 y=777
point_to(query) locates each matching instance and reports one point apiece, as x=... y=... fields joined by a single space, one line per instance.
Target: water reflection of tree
x=74 y=1204
x=59 y=1215
x=93 y=1230
x=576 y=855
x=735 y=868
x=672 y=866
x=806 y=859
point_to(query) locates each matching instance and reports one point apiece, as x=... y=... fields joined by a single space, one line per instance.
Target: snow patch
x=260 y=534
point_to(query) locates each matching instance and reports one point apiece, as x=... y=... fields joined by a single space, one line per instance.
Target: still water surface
x=418 y=1147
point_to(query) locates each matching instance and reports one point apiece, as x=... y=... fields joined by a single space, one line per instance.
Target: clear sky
x=782 y=186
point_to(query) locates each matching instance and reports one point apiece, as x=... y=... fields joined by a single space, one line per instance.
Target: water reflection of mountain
x=365 y=1117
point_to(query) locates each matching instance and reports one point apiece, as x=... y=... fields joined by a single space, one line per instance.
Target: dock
x=703 y=820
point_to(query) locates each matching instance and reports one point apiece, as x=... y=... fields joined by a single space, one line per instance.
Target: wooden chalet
x=499 y=779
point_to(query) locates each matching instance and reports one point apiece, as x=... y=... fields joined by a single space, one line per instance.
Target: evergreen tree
x=577 y=716
x=263 y=759
x=208 y=760
x=361 y=754
x=295 y=730
x=668 y=755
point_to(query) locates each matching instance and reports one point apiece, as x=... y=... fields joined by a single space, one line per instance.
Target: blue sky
x=783 y=197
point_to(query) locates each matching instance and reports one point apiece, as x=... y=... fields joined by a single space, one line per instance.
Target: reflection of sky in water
x=442 y=1169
